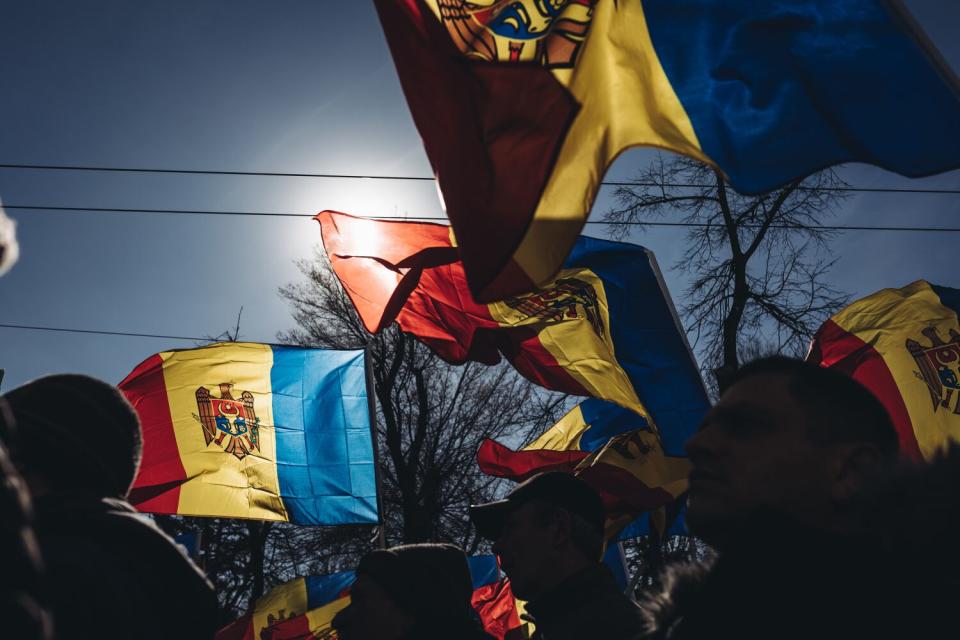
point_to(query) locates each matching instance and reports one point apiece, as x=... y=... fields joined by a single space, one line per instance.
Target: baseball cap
x=556 y=488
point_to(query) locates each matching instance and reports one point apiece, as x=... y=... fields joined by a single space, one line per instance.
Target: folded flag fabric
x=523 y=104
x=500 y=611
x=629 y=471
x=604 y=328
x=584 y=429
x=302 y=608
x=903 y=345
x=244 y=430
x=633 y=476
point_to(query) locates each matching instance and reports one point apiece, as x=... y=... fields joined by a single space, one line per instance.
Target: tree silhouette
x=757 y=263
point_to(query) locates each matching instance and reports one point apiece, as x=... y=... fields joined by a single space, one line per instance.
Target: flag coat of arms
x=605 y=327
x=300 y=609
x=245 y=430
x=523 y=104
x=903 y=345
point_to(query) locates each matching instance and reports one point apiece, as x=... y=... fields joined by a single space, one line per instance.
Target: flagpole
x=372 y=407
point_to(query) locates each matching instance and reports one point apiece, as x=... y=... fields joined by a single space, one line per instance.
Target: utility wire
x=289 y=214
x=345 y=176
x=98 y=332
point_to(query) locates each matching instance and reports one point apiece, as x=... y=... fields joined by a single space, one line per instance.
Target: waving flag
x=243 y=430
x=584 y=429
x=303 y=608
x=604 y=328
x=629 y=471
x=903 y=345
x=523 y=104
x=300 y=609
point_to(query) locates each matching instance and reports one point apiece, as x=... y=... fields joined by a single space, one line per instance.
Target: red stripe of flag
x=157 y=486
x=838 y=349
x=502 y=462
x=411 y=273
x=497 y=608
x=492 y=133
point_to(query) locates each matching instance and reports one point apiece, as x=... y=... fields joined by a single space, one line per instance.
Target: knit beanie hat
x=425 y=580
x=78 y=433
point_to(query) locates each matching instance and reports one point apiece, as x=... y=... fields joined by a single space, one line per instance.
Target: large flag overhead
x=605 y=327
x=523 y=104
x=243 y=430
x=903 y=345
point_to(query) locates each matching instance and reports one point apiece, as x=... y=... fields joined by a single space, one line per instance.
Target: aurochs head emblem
x=939 y=367
x=567 y=298
x=232 y=424
x=548 y=32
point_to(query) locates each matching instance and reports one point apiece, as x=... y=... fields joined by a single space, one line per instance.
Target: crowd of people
x=821 y=530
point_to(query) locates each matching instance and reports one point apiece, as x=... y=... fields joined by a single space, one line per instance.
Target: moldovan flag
x=605 y=327
x=523 y=104
x=903 y=345
x=244 y=430
x=301 y=609
x=583 y=430
x=494 y=602
x=630 y=472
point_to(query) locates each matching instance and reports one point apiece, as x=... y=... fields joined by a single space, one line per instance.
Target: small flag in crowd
x=523 y=105
x=629 y=471
x=584 y=429
x=633 y=476
x=243 y=430
x=604 y=328
x=301 y=609
x=903 y=345
x=304 y=608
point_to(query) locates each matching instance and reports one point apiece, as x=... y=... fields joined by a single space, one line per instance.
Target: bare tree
x=757 y=263
x=432 y=416
x=431 y=419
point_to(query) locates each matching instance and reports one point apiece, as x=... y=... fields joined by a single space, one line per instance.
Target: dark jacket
x=900 y=578
x=111 y=573
x=588 y=604
x=21 y=572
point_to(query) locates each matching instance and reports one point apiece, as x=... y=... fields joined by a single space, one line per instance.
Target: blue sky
x=293 y=86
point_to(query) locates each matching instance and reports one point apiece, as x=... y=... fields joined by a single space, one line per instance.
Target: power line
x=346 y=176
x=99 y=332
x=290 y=214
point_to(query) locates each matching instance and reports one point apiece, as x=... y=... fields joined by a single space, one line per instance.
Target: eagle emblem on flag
x=939 y=366
x=565 y=299
x=549 y=32
x=230 y=423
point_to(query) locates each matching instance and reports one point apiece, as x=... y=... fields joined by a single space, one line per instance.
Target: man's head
x=399 y=588
x=74 y=433
x=545 y=530
x=790 y=437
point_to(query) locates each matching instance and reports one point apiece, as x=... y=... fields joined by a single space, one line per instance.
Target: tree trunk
x=258 y=532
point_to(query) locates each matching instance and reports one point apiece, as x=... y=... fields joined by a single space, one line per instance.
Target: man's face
x=753 y=452
x=371 y=615
x=527 y=547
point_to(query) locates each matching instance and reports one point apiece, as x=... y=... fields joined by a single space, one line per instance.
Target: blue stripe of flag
x=325 y=457
x=647 y=342
x=778 y=90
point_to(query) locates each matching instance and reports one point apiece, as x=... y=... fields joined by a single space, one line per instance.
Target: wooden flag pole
x=372 y=407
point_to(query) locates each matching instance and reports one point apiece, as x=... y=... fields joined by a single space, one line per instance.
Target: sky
x=303 y=86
